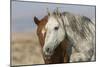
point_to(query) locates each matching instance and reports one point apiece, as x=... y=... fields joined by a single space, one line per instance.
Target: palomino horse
x=79 y=30
x=60 y=54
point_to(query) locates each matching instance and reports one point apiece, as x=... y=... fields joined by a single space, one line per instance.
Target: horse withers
x=60 y=54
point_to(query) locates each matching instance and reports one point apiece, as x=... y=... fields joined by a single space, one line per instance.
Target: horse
x=78 y=30
x=60 y=54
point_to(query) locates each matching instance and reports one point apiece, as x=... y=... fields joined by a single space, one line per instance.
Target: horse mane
x=80 y=25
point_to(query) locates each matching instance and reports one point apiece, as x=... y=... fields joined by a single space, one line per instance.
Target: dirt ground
x=25 y=49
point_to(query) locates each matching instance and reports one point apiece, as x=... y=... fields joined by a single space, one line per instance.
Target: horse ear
x=36 y=20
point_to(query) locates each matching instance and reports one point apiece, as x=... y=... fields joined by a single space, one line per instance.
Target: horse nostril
x=47 y=49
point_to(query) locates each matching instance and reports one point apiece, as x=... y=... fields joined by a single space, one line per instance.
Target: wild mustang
x=79 y=30
x=60 y=54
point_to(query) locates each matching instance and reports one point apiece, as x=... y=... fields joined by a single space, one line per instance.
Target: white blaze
x=43 y=31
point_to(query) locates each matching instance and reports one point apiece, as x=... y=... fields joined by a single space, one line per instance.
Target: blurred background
x=25 y=47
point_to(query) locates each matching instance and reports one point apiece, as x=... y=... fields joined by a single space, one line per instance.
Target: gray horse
x=79 y=30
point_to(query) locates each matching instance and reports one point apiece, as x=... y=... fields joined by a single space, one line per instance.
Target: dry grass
x=25 y=49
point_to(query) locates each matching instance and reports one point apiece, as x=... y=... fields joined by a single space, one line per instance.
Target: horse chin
x=47 y=56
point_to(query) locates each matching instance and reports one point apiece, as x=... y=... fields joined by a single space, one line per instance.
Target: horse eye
x=56 y=28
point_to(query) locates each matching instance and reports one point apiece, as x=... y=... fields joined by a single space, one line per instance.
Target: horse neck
x=67 y=28
x=60 y=50
x=60 y=53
